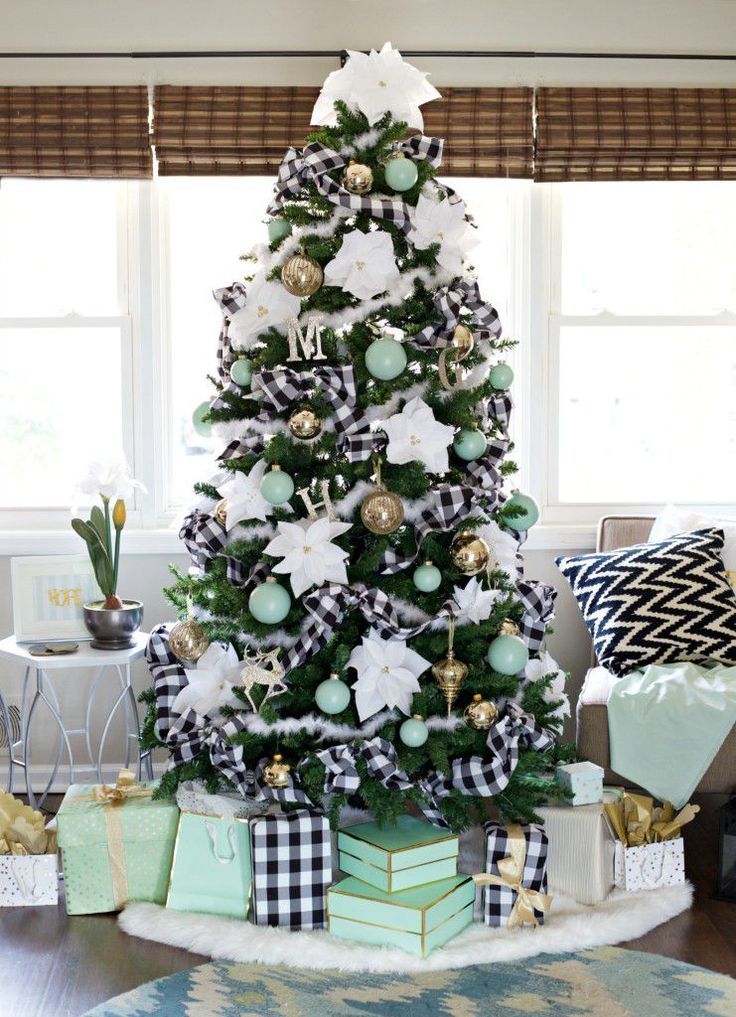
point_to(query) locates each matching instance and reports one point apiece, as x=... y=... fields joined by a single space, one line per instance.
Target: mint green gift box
x=417 y=920
x=113 y=853
x=397 y=856
x=211 y=870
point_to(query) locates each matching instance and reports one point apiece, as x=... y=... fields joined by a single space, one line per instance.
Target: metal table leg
x=88 y=718
x=53 y=708
x=9 y=737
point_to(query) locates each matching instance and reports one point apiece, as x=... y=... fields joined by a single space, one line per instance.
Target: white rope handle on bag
x=30 y=893
x=212 y=833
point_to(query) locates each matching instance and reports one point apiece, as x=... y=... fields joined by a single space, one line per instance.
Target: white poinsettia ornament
x=210 y=683
x=387 y=674
x=309 y=556
x=504 y=549
x=376 y=83
x=415 y=435
x=365 y=264
x=539 y=667
x=242 y=491
x=474 y=602
x=438 y=220
x=267 y=304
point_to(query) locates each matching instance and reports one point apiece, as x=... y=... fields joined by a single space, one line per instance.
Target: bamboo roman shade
x=74 y=132
x=635 y=134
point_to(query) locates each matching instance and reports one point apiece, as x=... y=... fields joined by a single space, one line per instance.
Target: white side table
x=38 y=687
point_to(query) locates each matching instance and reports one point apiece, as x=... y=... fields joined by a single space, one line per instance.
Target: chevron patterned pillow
x=654 y=603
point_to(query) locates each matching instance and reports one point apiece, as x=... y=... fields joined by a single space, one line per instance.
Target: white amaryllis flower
x=377 y=83
x=504 y=548
x=244 y=498
x=474 y=602
x=437 y=220
x=210 y=683
x=387 y=674
x=365 y=264
x=309 y=555
x=267 y=303
x=543 y=665
x=110 y=478
x=415 y=435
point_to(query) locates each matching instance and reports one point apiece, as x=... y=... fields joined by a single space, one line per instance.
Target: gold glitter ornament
x=301 y=275
x=450 y=673
x=357 y=178
x=381 y=511
x=304 y=423
x=480 y=713
x=470 y=554
x=276 y=773
x=509 y=627
x=188 y=640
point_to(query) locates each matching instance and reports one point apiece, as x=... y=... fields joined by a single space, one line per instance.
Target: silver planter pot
x=113 y=630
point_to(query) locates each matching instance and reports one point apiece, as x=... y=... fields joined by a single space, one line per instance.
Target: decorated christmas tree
x=356 y=625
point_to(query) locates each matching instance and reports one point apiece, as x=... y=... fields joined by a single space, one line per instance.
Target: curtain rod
x=342 y=55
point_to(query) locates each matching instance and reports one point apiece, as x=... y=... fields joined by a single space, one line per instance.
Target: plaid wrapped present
x=515 y=880
x=292 y=869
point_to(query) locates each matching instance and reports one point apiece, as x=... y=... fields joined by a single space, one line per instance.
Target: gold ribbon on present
x=511 y=875
x=636 y=820
x=124 y=787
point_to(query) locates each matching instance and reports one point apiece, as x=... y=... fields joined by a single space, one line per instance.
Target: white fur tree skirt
x=569 y=927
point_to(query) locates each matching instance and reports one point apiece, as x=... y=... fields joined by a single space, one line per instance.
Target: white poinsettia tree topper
x=388 y=672
x=309 y=556
x=376 y=83
x=267 y=304
x=415 y=435
x=365 y=264
x=210 y=683
x=242 y=492
x=440 y=220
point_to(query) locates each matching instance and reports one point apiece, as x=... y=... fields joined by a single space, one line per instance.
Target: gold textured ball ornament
x=304 y=423
x=382 y=511
x=449 y=674
x=509 y=628
x=221 y=512
x=301 y=275
x=480 y=713
x=276 y=773
x=470 y=554
x=357 y=178
x=462 y=341
x=188 y=640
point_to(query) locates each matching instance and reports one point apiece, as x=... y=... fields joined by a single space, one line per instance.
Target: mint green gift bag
x=211 y=871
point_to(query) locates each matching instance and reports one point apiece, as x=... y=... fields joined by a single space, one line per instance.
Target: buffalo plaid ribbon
x=538 y=601
x=341 y=774
x=452 y=504
x=337 y=384
x=449 y=302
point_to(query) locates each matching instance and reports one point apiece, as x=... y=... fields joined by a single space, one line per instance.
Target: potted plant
x=111 y=622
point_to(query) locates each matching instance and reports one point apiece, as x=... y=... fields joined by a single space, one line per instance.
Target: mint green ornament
x=269 y=602
x=385 y=358
x=469 y=443
x=414 y=732
x=508 y=654
x=401 y=173
x=501 y=376
x=201 y=426
x=529 y=511
x=427 y=577
x=277 y=486
x=241 y=371
x=278 y=229
x=333 y=695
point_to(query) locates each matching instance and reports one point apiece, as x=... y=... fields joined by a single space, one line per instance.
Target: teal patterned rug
x=606 y=982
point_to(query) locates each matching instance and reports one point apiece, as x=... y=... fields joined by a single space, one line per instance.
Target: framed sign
x=48 y=595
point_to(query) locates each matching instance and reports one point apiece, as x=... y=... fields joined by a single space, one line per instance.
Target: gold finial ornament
x=470 y=554
x=187 y=639
x=301 y=275
x=509 y=627
x=462 y=341
x=357 y=178
x=276 y=773
x=221 y=512
x=450 y=673
x=480 y=713
x=304 y=423
x=381 y=511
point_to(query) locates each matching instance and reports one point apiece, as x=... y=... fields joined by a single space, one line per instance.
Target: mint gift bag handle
x=212 y=834
x=211 y=867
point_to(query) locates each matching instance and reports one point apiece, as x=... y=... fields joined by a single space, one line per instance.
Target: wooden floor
x=54 y=966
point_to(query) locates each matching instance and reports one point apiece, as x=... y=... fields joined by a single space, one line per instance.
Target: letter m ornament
x=311 y=343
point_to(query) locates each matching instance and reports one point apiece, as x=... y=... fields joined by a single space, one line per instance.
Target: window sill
x=167 y=542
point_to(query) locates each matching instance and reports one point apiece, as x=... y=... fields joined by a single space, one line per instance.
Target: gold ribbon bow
x=124 y=787
x=511 y=874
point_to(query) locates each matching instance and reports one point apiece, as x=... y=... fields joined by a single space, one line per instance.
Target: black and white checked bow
x=448 y=303
x=203 y=537
x=230 y=299
x=341 y=774
x=485 y=472
x=538 y=601
x=259 y=789
x=498 y=409
x=253 y=444
x=452 y=503
x=337 y=384
x=419 y=146
x=237 y=575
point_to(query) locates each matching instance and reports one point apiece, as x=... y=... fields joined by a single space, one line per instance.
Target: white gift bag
x=28 y=880
x=648 y=866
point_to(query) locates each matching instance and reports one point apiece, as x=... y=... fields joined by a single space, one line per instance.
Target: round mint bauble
x=385 y=359
x=401 y=173
x=469 y=443
x=332 y=696
x=241 y=371
x=200 y=425
x=529 y=511
x=508 y=654
x=427 y=577
x=278 y=229
x=414 y=732
x=501 y=376
x=277 y=486
x=269 y=603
